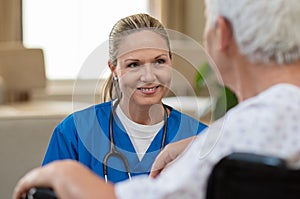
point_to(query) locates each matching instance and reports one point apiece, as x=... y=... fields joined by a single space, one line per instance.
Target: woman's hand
x=168 y=155
x=69 y=180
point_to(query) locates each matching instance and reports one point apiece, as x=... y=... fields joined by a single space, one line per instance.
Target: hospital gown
x=266 y=124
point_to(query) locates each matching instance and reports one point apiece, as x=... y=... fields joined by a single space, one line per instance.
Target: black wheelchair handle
x=41 y=193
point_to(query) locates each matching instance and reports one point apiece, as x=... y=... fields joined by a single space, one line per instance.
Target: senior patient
x=255 y=45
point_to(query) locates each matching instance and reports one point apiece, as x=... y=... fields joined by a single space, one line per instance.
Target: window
x=69 y=30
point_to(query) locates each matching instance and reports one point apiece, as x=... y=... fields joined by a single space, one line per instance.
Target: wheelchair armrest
x=41 y=193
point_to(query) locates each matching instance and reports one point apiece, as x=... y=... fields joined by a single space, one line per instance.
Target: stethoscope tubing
x=113 y=150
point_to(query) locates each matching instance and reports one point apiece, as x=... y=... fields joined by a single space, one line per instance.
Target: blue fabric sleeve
x=63 y=143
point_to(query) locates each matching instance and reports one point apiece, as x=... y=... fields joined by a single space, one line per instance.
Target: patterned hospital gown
x=267 y=124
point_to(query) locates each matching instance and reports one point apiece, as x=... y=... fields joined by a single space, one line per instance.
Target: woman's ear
x=224 y=33
x=112 y=68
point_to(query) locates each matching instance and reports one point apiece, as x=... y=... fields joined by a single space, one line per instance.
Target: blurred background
x=45 y=50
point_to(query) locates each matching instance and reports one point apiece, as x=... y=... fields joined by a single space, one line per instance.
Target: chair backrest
x=249 y=176
x=22 y=70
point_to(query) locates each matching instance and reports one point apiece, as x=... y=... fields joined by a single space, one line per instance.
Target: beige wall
x=187 y=17
x=194 y=25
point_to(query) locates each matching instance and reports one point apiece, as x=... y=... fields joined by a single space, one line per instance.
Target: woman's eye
x=160 y=61
x=133 y=65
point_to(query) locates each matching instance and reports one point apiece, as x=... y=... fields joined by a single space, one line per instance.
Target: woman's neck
x=143 y=114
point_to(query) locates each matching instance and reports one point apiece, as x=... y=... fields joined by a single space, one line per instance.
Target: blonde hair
x=122 y=28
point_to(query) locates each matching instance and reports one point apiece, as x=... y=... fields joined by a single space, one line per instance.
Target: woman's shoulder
x=105 y=106
x=80 y=119
x=86 y=113
x=179 y=117
x=176 y=114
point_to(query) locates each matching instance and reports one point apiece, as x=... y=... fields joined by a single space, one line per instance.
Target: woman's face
x=143 y=68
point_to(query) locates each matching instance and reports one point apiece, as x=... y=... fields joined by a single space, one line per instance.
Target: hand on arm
x=168 y=155
x=69 y=179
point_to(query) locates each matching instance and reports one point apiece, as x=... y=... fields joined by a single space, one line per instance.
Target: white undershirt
x=140 y=135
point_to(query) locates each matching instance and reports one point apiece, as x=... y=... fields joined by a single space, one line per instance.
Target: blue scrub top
x=83 y=136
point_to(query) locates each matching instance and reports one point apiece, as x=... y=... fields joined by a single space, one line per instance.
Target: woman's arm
x=69 y=179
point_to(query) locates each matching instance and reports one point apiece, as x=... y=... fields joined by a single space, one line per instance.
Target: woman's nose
x=148 y=74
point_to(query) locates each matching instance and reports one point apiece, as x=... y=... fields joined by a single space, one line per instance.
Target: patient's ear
x=224 y=33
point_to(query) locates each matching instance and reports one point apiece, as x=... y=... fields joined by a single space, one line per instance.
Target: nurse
x=132 y=123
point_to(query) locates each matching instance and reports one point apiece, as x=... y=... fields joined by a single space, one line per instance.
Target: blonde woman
x=121 y=137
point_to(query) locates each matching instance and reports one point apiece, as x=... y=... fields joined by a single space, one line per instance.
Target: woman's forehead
x=141 y=40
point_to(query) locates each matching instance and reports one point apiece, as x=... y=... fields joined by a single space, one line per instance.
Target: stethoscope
x=113 y=150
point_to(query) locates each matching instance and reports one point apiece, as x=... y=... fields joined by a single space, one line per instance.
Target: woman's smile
x=148 y=90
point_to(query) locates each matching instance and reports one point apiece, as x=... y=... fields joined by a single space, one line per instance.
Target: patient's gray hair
x=265 y=30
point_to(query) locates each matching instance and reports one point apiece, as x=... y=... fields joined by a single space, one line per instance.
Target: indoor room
x=53 y=61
